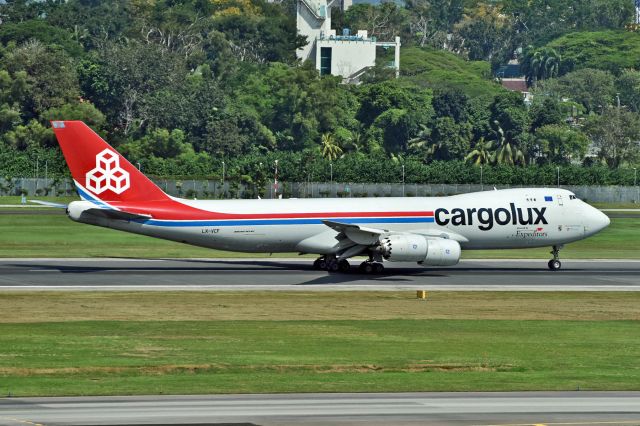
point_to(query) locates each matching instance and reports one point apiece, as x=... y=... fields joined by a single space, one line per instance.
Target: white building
x=347 y=55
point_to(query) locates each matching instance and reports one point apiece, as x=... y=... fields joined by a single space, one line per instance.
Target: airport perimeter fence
x=204 y=189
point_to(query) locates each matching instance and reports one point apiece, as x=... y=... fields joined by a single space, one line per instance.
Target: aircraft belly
x=251 y=239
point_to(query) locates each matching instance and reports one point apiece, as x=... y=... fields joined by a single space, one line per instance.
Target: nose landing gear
x=555 y=264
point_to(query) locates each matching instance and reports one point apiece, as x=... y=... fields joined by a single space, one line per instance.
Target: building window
x=325 y=60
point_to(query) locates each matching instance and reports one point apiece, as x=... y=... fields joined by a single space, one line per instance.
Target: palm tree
x=506 y=153
x=330 y=149
x=482 y=153
x=421 y=140
x=540 y=64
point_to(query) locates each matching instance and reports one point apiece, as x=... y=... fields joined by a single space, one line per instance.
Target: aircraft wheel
x=554 y=264
x=378 y=268
x=316 y=263
x=366 y=267
x=322 y=263
x=344 y=266
x=333 y=266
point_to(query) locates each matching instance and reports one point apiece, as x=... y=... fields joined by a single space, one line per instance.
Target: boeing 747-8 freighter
x=431 y=231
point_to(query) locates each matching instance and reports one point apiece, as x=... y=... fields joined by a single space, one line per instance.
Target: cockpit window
x=573 y=197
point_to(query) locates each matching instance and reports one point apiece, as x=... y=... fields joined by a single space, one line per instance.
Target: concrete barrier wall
x=204 y=189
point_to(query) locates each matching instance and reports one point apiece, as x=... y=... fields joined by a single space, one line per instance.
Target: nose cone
x=595 y=221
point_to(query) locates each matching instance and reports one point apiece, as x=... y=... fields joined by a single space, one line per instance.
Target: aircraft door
x=559 y=197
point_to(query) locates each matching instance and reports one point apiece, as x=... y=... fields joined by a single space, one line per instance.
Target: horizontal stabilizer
x=116 y=214
x=49 y=204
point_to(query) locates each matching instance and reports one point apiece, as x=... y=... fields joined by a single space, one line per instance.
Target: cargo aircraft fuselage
x=428 y=230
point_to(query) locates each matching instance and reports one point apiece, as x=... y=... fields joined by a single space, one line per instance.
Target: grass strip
x=155 y=357
x=185 y=343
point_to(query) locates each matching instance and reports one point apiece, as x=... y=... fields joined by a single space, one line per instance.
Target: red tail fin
x=98 y=170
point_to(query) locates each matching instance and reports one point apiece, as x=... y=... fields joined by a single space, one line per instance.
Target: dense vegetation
x=180 y=86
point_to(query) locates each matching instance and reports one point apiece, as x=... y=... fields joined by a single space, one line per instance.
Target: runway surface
x=535 y=408
x=296 y=274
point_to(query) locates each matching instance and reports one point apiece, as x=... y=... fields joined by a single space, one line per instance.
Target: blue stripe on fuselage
x=258 y=222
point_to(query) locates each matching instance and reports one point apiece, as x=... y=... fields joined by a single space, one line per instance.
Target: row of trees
x=183 y=85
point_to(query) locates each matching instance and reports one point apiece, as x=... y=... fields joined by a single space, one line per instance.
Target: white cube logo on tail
x=108 y=174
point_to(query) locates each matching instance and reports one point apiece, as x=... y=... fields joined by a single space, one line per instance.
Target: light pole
x=139 y=166
x=403 y=180
x=223 y=171
x=481 y=181
x=37 y=171
x=331 y=174
x=558 y=169
x=275 y=180
x=635 y=183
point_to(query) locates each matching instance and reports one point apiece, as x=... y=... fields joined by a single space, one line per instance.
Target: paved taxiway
x=587 y=408
x=296 y=274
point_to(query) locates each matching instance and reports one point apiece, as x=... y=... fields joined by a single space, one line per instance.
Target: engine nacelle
x=442 y=252
x=416 y=248
x=75 y=209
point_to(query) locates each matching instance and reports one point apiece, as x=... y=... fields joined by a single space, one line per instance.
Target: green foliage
x=21 y=32
x=540 y=64
x=50 y=76
x=612 y=51
x=539 y=21
x=560 y=144
x=83 y=111
x=485 y=33
x=444 y=71
x=182 y=85
x=594 y=89
x=616 y=134
x=383 y=22
x=628 y=86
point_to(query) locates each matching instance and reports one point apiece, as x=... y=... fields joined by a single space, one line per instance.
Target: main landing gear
x=371 y=267
x=332 y=264
x=555 y=264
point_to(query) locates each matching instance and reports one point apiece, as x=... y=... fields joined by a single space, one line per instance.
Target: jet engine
x=416 y=248
x=76 y=208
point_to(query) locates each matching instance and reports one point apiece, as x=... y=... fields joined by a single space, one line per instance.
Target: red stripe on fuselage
x=174 y=210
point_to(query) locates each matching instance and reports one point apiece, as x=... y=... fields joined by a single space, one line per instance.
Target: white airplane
x=431 y=231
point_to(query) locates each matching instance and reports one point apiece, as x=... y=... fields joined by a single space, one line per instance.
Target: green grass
x=89 y=343
x=10 y=199
x=84 y=358
x=635 y=206
x=57 y=236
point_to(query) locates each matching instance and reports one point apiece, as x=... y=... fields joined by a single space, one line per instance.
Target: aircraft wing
x=367 y=236
x=356 y=233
